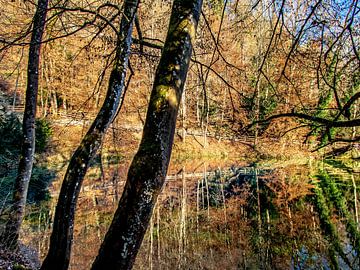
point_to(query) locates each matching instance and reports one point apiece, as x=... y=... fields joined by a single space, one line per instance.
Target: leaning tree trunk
x=58 y=256
x=147 y=172
x=10 y=236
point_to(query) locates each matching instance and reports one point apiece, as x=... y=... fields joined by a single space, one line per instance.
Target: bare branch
x=323 y=121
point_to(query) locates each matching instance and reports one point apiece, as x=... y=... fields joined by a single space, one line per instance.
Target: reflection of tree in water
x=279 y=209
x=334 y=203
x=241 y=218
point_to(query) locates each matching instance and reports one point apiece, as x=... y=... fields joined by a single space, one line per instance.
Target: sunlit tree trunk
x=197 y=207
x=10 y=236
x=17 y=79
x=148 y=169
x=205 y=120
x=257 y=112
x=355 y=201
x=198 y=112
x=183 y=216
x=207 y=191
x=151 y=244
x=61 y=238
x=183 y=116
x=158 y=232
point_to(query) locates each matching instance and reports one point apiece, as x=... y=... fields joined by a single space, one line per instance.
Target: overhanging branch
x=319 y=120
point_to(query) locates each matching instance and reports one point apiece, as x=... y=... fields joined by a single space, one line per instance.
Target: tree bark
x=10 y=236
x=58 y=256
x=148 y=169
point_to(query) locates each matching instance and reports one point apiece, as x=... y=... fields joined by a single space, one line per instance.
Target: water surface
x=228 y=216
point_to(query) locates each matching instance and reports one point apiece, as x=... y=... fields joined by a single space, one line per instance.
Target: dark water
x=255 y=216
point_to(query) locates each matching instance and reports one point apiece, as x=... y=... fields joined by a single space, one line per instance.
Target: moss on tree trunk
x=148 y=170
x=58 y=256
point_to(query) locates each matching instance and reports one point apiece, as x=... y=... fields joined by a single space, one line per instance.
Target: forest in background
x=262 y=75
x=248 y=64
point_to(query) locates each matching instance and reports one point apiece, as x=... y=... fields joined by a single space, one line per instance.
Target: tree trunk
x=10 y=236
x=148 y=169
x=61 y=238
